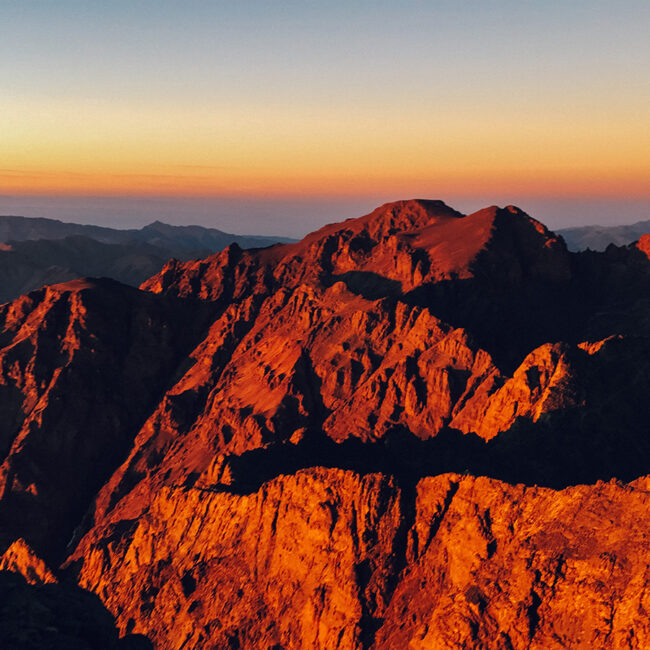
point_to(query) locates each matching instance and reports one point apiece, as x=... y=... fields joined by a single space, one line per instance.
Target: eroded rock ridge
x=413 y=429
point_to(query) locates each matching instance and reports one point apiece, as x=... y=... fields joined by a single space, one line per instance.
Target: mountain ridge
x=36 y=252
x=18 y=228
x=411 y=428
x=599 y=237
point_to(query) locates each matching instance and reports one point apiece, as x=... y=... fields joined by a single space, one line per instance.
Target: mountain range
x=598 y=238
x=35 y=251
x=416 y=429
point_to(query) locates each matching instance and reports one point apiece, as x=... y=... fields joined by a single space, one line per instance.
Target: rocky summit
x=414 y=429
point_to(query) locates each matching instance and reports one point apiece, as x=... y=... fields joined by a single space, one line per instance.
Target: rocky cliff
x=412 y=429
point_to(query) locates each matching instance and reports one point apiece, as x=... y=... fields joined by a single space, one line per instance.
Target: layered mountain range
x=35 y=252
x=598 y=238
x=413 y=429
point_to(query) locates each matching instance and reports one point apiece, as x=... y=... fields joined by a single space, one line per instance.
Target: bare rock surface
x=412 y=429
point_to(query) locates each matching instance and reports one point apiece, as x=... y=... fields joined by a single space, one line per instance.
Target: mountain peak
x=156 y=224
x=406 y=215
x=401 y=245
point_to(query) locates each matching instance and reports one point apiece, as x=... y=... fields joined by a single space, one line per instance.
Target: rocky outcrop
x=81 y=364
x=499 y=566
x=331 y=559
x=318 y=545
x=408 y=430
x=20 y=558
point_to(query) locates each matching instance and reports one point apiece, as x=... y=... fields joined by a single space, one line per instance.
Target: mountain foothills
x=35 y=252
x=413 y=429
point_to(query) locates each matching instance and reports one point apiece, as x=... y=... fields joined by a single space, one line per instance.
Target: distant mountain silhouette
x=188 y=238
x=598 y=238
x=36 y=252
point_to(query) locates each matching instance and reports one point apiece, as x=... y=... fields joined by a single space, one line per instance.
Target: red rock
x=20 y=558
x=323 y=559
x=81 y=363
x=287 y=419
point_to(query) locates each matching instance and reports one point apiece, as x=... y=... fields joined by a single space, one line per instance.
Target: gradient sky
x=346 y=103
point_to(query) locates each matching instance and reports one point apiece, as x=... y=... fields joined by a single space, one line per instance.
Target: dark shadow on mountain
x=59 y=617
x=604 y=435
x=508 y=322
x=561 y=449
x=368 y=285
x=604 y=296
x=95 y=416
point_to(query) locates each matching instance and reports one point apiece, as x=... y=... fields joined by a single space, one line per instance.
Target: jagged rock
x=500 y=566
x=20 y=558
x=329 y=559
x=341 y=442
x=81 y=364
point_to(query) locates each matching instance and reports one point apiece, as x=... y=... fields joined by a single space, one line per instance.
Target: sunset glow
x=324 y=324
x=208 y=100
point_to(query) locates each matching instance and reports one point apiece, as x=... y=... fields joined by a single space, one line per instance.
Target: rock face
x=413 y=429
x=330 y=559
x=81 y=364
x=20 y=558
x=499 y=566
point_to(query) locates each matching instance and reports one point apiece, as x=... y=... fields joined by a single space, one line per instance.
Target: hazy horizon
x=315 y=108
x=295 y=217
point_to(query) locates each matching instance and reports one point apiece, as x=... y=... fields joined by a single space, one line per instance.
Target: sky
x=275 y=117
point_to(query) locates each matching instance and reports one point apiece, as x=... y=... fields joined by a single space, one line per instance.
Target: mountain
x=37 y=252
x=182 y=238
x=598 y=238
x=14 y=228
x=413 y=429
x=31 y=264
x=198 y=238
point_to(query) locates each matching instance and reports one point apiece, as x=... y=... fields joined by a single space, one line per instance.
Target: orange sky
x=90 y=149
x=328 y=101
